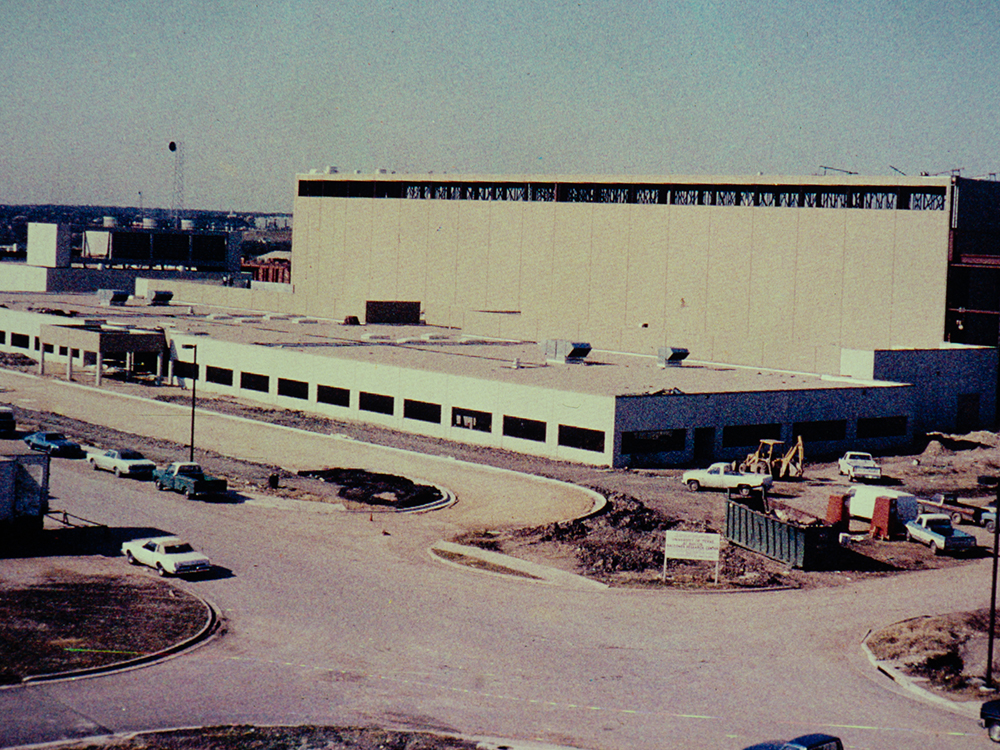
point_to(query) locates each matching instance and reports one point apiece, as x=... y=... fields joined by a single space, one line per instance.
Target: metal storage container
x=805 y=547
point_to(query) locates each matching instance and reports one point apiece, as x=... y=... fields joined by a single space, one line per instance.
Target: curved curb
x=447 y=500
x=539 y=573
x=969 y=709
x=212 y=623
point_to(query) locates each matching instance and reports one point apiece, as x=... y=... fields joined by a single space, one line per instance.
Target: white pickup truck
x=935 y=530
x=722 y=476
x=859 y=466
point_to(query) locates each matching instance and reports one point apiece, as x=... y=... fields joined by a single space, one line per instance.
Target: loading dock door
x=704 y=444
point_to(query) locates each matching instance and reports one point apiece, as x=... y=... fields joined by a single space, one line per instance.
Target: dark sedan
x=53 y=443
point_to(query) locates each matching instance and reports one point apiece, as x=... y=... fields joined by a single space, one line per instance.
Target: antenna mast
x=177 y=204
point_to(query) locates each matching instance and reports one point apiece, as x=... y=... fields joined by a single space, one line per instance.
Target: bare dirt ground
x=623 y=545
x=283 y=738
x=86 y=615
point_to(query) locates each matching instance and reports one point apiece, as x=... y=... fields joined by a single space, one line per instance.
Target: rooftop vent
x=565 y=352
x=112 y=297
x=671 y=356
x=161 y=298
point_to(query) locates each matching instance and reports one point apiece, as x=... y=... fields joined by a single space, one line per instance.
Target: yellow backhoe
x=769 y=459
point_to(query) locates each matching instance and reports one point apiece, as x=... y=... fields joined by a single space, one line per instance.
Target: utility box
x=838 y=513
x=395 y=313
x=885 y=518
x=48 y=245
x=24 y=494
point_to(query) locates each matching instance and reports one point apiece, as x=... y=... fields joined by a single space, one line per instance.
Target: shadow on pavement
x=78 y=540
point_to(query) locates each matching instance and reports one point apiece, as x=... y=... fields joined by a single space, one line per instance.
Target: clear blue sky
x=94 y=90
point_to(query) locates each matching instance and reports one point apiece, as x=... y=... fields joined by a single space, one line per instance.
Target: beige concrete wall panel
x=385 y=260
x=867 y=278
x=608 y=286
x=519 y=328
x=567 y=307
x=819 y=269
x=442 y=260
x=306 y=235
x=772 y=284
x=332 y=250
x=412 y=280
x=482 y=324
x=356 y=282
x=646 y=271
x=685 y=309
x=727 y=320
x=920 y=271
x=472 y=269
x=503 y=262
x=537 y=253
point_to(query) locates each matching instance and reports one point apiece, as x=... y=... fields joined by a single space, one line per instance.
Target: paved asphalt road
x=330 y=620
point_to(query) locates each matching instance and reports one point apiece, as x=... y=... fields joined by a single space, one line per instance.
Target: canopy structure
x=94 y=340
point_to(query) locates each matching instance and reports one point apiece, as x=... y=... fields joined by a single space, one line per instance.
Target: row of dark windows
x=740 y=436
x=798 y=196
x=421 y=411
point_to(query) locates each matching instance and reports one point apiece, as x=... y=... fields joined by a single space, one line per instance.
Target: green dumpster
x=795 y=544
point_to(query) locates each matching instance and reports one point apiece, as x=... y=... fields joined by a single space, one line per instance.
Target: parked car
x=167 y=554
x=188 y=478
x=53 y=443
x=989 y=717
x=722 y=476
x=989 y=518
x=859 y=466
x=935 y=530
x=126 y=462
x=805 y=742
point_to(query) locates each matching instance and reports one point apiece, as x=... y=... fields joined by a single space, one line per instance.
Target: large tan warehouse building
x=856 y=312
x=779 y=272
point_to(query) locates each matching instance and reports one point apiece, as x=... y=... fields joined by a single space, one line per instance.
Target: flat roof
x=428 y=348
x=826 y=180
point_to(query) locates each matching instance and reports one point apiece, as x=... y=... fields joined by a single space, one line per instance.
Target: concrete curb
x=541 y=573
x=969 y=709
x=212 y=622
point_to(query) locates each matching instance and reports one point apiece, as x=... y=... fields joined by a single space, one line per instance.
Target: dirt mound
x=624 y=546
x=935 y=449
x=949 y=651
x=370 y=488
x=15 y=361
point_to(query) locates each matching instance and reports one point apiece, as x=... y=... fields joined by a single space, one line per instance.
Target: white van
x=861 y=503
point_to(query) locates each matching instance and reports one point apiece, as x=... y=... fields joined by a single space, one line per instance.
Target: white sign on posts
x=691 y=545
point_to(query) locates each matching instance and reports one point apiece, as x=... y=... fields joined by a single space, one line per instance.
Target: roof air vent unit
x=161 y=298
x=332 y=170
x=671 y=356
x=565 y=352
x=112 y=297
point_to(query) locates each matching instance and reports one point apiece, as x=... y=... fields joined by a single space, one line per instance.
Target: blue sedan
x=53 y=443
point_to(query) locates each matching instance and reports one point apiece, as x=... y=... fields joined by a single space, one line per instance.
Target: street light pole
x=993 y=586
x=194 y=395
